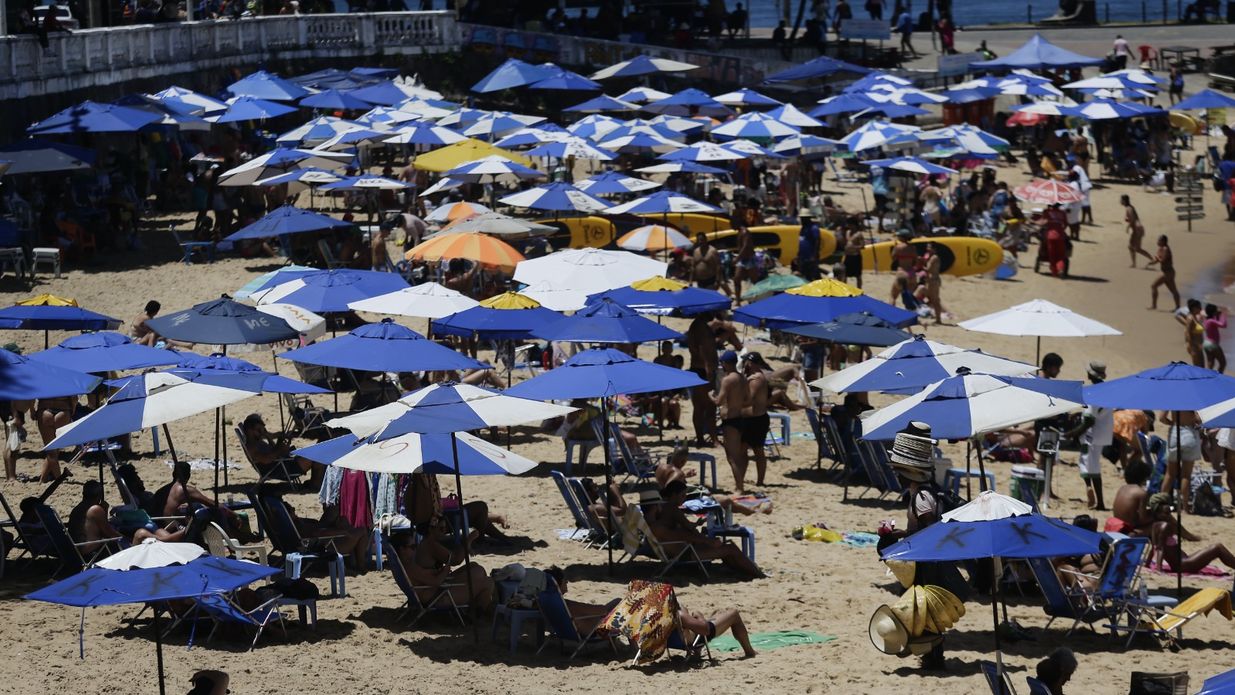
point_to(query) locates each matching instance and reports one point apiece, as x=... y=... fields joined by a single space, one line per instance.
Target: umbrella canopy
x=414 y=453
x=1047 y=192
x=381 y=347
x=250 y=109
x=104 y=352
x=605 y=321
x=206 y=575
x=858 y=328
x=496 y=224
x=423 y=133
x=792 y=115
x=272 y=278
x=310 y=325
x=601 y=104
x=653 y=238
x=846 y=102
x=912 y=165
x=489 y=168
x=915 y=363
x=479 y=248
x=817 y=67
x=561 y=79
x=662 y=296
x=451 y=212
x=332 y=290
x=1221 y=684
x=317 y=130
x=639 y=142
x=180 y=95
x=642 y=65
x=365 y=182
x=298 y=180
x=822 y=300
x=1109 y=109
x=510 y=74
x=746 y=97
x=252 y=377
x=1175 y=386
x=43 y=313
x=386 y=93
x=594 y=127
x=1021 y=536
x=680 y=168
x=1038 y=318
x=152 y=553
x=589 y=270
x=572 y=147
x=1204 y=99
x=287 y=219
x=702 y=152
x=643 y=95
x=965 y=405
x=93 y=117
x=469 y=150
x=603 y=372
x=755 y=125
x=223 y=322
x=688 y=102
x=155 y=399
x=281 y=161
x=23 y=379
x=558 y=197
x=874 y=134
x=614 y=182
x=427 y=300
x=334 y=99
x=1038 y=54
x=34 y=156
x=267 y=85
x=508 y=316
x=534 y=135
x=662 y=202
x=1047 y=108
x=447 y=408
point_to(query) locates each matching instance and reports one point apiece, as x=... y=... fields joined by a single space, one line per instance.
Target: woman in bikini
x=1194 y=332
x=1136 y=230
x=1165 y=261
x=52 y=414
x=1167 y=553
x=1214 y=322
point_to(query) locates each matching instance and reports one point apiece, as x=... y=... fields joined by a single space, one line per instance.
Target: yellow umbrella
x=826 y=287
x=451 y=156
x=48 y=300
x=472 y=246
x=658 y=284
x=510 y=300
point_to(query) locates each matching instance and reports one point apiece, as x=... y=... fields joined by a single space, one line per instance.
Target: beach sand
x=358 y=647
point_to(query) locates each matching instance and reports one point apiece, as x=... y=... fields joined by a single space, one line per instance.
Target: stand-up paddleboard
x=591 y=231
x=958 y=255
x=1184 y=122
x=780 y=240
x=689 y=223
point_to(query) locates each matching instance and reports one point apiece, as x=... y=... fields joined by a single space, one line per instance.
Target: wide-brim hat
x=913 y=451
x=888 y=633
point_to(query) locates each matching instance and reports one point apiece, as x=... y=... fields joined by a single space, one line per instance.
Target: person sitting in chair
x=266 y=450
x=670 y=525
x=179 y=498
x=429 y=564
x=89 y=523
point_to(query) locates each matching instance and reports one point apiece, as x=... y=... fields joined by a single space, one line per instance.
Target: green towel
x=766 y=641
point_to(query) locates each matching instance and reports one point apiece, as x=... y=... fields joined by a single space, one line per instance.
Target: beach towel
x=767 y=641
x=646 y=617
x=859 y=539
x=1207 y=572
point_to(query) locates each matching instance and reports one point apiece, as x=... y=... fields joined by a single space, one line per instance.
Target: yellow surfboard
x=690 y=223
x=581 y=232
x=1184 y=122
x=780 y=240
x=958 y=255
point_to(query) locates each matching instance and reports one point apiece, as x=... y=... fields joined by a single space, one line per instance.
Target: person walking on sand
x=1121 y=51
x=1136 y=230
x=1194 y=331
x=1215 y=356
x=934 y=281
x=1165 y=261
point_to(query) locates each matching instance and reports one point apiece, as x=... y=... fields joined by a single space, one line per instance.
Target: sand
x=358 y=647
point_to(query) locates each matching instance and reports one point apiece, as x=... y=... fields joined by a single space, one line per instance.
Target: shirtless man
x=934 y=283
x=732 y=397
x=905 y=258
x=744 y=268
x=378 y=255
x=141 y=333
x=88 y=523
x=757 y=422
x=1129 y=513
x=701 y=343
x=705 y=263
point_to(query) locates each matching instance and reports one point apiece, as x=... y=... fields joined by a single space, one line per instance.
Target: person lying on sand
x=1168 y=554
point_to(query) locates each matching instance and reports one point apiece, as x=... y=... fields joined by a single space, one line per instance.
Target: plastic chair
x=42 y=255
x=15 y=259
x=824 y=449
x=204 y=249
x=515 y=618
x=952 y=479
x=218 y=543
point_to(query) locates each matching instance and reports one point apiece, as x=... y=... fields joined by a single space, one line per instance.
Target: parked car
x=62 y=13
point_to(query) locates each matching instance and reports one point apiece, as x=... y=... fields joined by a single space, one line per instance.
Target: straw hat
x=912 y=452
x=887 y=632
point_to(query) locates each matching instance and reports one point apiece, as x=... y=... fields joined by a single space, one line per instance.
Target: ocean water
x=766 y=13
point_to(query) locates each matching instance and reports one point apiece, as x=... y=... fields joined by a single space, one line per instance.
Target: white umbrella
x=913 y=364
x=298 y=180
x=311 y=326
x=755 y=125
x=259 y=168
x=589 y=270
x=443 y=212
x=1048 y=108
x=428 y=300
x=407 y=454
x=704 y=152
x=557 y=197
x=152 y=553
x=988 y=506
x=555 y=296
x=642 y=95
x=792 y=115
x=1039 y=318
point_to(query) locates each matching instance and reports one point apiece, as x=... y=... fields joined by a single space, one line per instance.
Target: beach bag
x=1205 y=502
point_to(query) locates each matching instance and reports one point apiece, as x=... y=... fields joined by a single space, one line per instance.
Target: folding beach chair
x=1169 y=623
x=1060 y=601
x=297 y=550
x=1117 y=593
x=998 y=682
x=284 y=469
x=638 y=539
x=222 y=611
x=561 y=624
x=327 y=254
x=67 y=551
x=1037 y=687
x=442 y=600
x=598 y=538
x=305 y=417
x=580 y=517
x=822 y=442
x=879 y=464
x=625 y=462
x=203 y=249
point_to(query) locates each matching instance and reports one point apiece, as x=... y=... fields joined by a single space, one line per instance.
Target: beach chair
x=581 y=521
x=1061 y=602
x=598 y=538
x=877 y=454
x=203 y=249
x=1169 y=623
x=28 y=539
x=327 y=254
x=638 y=539
x=67 y=551
x=823 y=447
x=222 y=611
x=284 y=469
x=1037 y=687
x=218 y=543
x=443 y=600
x=297 y=550
x=839 y=175
x=1117 y=593
x=641 y=466
x=561 y=624
x=998 y=682
x=304 y=416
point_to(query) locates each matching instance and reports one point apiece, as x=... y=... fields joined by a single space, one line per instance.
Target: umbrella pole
x=158 y=649
x=1179 y=510
x=467 y=553
x=170 y=447
x=604 y=444
x=995 y=616
x=46 y=338
x=218 y=424
x=223 y=437
x=278 y=399
x=1037 y=356
x=968 y=469
x=981 y=468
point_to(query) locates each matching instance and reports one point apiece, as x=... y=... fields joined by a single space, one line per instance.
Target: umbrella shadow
x=955 y=668
x=624 y=572
x=453 y=648
x=1086 y=278
x=513 y=545
x=391 y=619
x=236 y=638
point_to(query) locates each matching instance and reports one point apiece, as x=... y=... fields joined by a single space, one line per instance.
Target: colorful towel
x=859 y=539
x=1207 y=572
x=767 y=641
x=646 y=617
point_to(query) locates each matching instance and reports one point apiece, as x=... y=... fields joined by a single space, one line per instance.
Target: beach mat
x=767 y=641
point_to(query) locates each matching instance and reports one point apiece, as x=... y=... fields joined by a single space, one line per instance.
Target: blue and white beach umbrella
x=334 y=99
x=332 y=290
x=1107 y=109
x=642 y=65
x=874 y=134
x=755 y=125
x=640 y=142
x=317 y=130
x=746 y=97
x=689 y=101
x=912 y=165
x=602 y=104
x=381 y=347
x=662 y=202
x=572 y=147
x=916 y=363
x=614 y=182
x=249 y=109
x=281 y=161
x=792 y=115
x=486 y=168
x=267 y=85
x=594 y=127
x=424 y=133
x=557 y=197
x=643 y=95
x=104 y=352
x=703 y=152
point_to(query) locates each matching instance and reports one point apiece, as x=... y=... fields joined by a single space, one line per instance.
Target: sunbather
x=585 y=616
x=429 y=562
x=424 y=499
x=1167 y=552
x=266 y=449
x=180 y=498
x=1129 y=513
x=89 y=523
x=346 y=539
x=597 y=509
x=669 y=524
x=695 y=624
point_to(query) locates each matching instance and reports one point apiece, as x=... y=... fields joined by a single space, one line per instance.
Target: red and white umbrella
x=1048 y=192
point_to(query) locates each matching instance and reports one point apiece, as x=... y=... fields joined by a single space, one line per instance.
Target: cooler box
x=1028 y=482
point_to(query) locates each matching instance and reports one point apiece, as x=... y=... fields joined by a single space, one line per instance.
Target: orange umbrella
x=477 y=247
x=451 y=212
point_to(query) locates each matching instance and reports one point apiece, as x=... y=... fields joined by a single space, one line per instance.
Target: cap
x=757 y=359
x=729 y=356
x=1097 y=369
